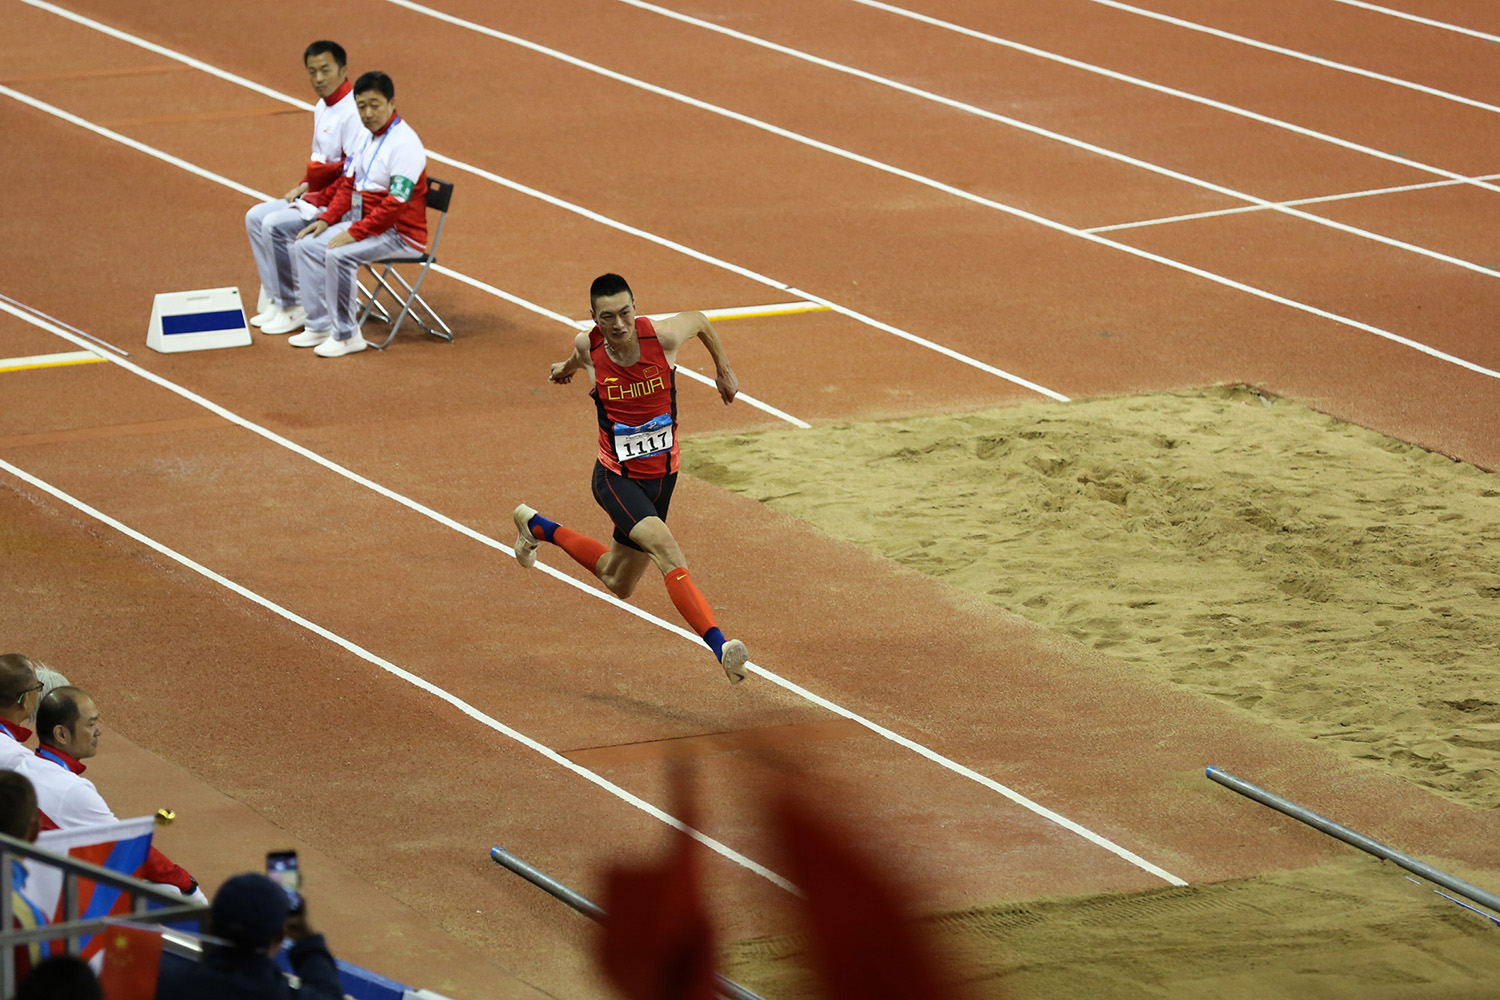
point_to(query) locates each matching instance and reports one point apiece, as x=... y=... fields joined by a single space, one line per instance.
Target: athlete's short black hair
x=325 y=47
x=375 y=80
x=608 y=284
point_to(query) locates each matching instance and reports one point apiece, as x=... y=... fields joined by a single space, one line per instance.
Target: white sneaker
x=526 y=543
x=286 y=321
x=270 y=312
x=309 y=338
x=333 y=348
x=734 y=656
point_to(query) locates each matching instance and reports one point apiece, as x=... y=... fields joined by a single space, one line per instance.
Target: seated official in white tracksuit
x=272 y=225
x=382 y=200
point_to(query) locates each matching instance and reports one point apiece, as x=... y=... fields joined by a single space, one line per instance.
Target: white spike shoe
x=526 y=543
x=734 y=657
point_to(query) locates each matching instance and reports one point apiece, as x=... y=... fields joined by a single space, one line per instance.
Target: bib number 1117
x=650 y=438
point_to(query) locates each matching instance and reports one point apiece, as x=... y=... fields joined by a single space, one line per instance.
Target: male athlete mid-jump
x=632 y=361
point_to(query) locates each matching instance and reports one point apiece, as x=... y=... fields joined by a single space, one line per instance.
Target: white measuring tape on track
x=802 y=692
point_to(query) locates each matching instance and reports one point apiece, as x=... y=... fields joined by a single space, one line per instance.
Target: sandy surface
x=1320 y=576
x=1356 y=930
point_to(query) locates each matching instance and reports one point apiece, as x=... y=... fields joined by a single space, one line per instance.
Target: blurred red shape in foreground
x=658 y=943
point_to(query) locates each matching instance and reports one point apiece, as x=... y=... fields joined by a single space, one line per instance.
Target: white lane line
x=499 y=293
x=718 y=847
x=49 y=361
x=578 y=210
x=1421 y=20
x=1184 y=95
x=486 y=540
x=88 y=336
x=1281 y=207
x=757 y=277
x=1321 y=200
x=834 y=306
x=949 y=189
x=1294 y=54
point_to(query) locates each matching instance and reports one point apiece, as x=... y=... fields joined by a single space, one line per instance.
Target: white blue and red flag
x=121 y=847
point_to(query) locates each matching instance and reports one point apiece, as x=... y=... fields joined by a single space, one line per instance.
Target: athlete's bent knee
x=622 y=585
x=655 y=539
x=620 y=571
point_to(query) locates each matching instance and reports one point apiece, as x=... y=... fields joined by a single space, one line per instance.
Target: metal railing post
x=7 y=921
x=70 y=909
x=728 y=988
x=1355 y=839
x=72 y=929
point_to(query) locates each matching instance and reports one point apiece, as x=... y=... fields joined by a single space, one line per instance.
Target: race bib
x=651 y=438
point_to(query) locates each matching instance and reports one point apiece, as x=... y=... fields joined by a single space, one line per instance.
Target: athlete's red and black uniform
x=629 y=399
x=633 y=480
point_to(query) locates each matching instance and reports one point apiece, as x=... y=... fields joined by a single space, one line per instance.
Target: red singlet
x=633 y=397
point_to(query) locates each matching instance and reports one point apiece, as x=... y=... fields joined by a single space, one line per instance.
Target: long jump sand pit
x=1336 y=583
x=1354 y=930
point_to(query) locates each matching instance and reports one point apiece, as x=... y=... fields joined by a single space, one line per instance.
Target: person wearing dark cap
x=250 y=915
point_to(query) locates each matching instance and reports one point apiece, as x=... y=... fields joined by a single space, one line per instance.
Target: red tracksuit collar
x=338 y=95
x=21 y=733
x=61 y=758
x=395 y=117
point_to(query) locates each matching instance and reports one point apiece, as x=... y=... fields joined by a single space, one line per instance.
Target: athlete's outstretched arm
x=675 y=331
x=562 y=371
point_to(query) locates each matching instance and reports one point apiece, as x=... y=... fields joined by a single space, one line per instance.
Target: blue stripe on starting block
x=228 y=319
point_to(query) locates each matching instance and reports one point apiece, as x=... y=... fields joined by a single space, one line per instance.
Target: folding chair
x=411 y=303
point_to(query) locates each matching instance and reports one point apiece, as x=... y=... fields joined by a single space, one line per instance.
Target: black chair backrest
x=438 y=193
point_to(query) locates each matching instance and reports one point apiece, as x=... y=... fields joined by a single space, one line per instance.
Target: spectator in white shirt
x=68 y=731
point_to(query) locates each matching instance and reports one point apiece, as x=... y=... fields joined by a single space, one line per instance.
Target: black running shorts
x=628 y=501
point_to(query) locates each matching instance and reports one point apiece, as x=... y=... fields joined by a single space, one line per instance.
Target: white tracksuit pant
x=327 y=279
x=271 y=225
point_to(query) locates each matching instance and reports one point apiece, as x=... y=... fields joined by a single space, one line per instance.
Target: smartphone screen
x=281 y=868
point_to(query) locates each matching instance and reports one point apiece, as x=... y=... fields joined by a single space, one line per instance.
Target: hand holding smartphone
x=281 y=868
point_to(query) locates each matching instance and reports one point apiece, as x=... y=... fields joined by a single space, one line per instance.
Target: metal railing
x=728 y=989
x=72 y=929
x=1356 y=839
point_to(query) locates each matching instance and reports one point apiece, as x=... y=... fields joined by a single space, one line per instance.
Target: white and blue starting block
x=202 y=320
